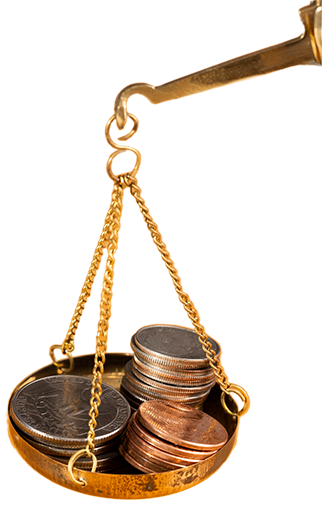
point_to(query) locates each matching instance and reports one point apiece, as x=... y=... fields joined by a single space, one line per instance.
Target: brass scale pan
x=126 y=483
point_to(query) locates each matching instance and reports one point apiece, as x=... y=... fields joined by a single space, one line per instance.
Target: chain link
x=214 y=361
x=110 y=239
x=105 y=311
x=68 y=344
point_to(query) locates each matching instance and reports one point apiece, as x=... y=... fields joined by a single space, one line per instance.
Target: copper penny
x=169 y=457
x=138 y=462
x=182 y=425
x=166 y=446
x=154 y=461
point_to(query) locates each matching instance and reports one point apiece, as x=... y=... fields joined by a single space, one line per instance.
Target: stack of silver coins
x=168 y=364
x=51 y=414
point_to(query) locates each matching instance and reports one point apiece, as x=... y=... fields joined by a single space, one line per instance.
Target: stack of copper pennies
x=163 y=436
x=51 y=414
x=168 y=364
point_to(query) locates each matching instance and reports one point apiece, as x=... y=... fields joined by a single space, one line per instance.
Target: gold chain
x=226 y=387
x=214 y=361
x=105 y=311
x=68 y=345
x=109 y=239
x=112 y=233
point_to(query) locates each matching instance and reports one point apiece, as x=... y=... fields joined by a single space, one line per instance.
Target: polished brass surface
x=304 y=50
x=126 y=485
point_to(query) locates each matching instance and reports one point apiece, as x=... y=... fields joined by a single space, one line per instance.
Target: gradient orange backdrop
x=233 y=180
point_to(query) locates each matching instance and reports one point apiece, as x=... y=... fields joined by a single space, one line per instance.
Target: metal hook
x=304 y=50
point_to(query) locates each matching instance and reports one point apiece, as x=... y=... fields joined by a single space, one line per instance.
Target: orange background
x=232 y=177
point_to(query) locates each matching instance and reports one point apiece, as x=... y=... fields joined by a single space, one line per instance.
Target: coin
x=54 y=410
x=149 y=437
x=175 y=377
x=110 y=460
x=182 y=425
x=175 y=388
x=141 y=450
x=173 y=345
x=165 y=457
x=138 y=462
x=158 y=388
x=67 y=452
x=145 y=392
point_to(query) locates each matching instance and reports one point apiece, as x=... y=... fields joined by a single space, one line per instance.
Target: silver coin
x=184 y=389
x=108 y=461
x=184 y=378
x=55 y=410
x=176 y=345
x=51 y=450
x=145 y=392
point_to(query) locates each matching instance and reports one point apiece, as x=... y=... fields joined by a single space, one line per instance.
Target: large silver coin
x=55 y=409
x=173 y=345
x=51 y=450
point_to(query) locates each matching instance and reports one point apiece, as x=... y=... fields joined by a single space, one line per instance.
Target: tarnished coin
x=54 y=410
x=182 y=425
x=159 y=443
x=172 y=345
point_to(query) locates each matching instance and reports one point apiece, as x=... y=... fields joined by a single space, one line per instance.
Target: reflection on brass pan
x=169 y=456
x=54 y=410
x=159 y=443
x=182 y=425
x=175 y=377
x=67 y=452
x=138 y=462
x=173 y=345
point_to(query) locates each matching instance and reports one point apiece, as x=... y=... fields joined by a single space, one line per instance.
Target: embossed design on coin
x=173 y=343
x=182 y=425
x=55 y=410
